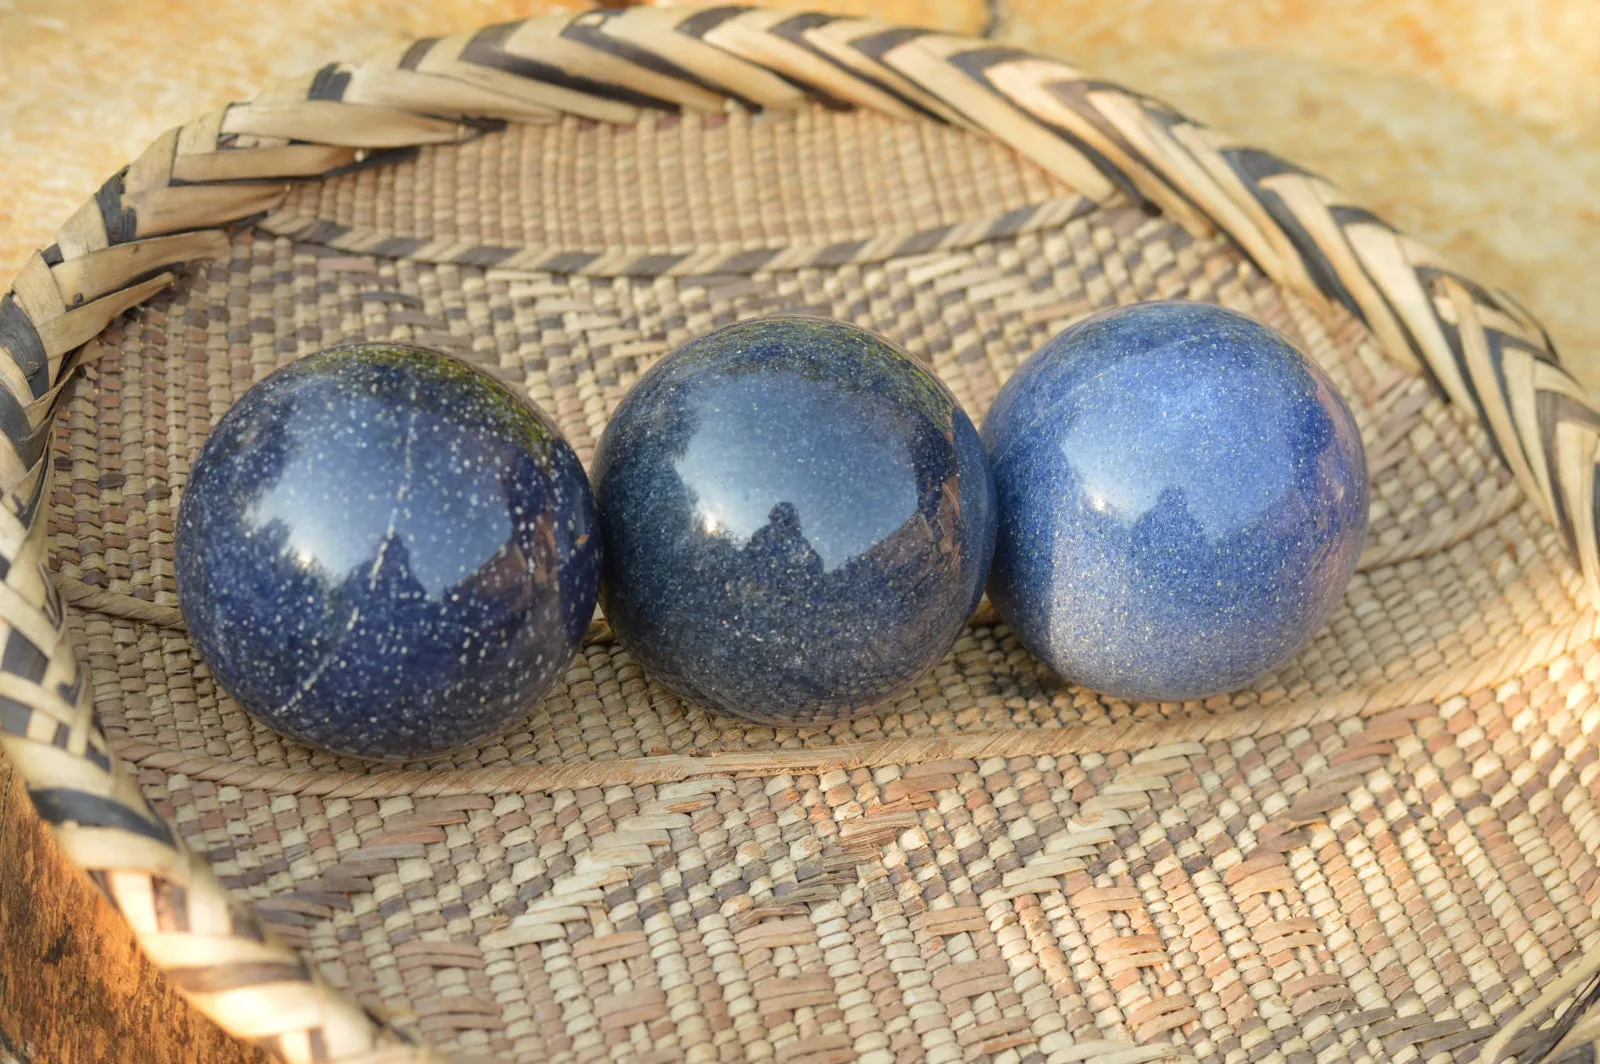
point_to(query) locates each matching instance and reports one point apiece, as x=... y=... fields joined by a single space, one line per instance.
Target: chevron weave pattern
x=1001 y=869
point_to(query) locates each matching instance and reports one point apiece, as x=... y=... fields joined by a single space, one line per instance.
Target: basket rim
x=1480 y=349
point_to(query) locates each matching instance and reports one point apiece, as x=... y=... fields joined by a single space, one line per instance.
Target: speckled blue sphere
x=384 y=552
x=798 y=520
x=1183 y=498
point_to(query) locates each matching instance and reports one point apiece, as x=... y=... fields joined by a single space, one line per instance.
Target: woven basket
x=1388 y=850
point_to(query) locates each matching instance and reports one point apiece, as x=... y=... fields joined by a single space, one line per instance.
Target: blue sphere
x=384 y=552
x=1183 y=498
x=798 y=520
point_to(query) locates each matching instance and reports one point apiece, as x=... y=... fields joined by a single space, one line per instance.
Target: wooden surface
x=73 y=988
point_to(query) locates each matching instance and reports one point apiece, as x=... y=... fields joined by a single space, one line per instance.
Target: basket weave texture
x=1387 y=850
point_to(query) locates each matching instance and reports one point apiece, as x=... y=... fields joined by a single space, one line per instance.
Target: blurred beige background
x=1473 y=124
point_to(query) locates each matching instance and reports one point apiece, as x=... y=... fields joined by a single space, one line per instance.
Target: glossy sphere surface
x=1183 y=498
x=798 y=520
x=384 y=552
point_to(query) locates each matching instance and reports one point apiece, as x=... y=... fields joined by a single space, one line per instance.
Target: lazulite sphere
x=1183 y=499
x=798 y=520
x=384 y=552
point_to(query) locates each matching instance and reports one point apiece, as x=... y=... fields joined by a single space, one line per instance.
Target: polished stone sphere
x=1183 y=498
x=798 y=520
x=384 y=552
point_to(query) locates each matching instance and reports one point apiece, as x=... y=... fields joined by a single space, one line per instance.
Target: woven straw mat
x=1388 y=850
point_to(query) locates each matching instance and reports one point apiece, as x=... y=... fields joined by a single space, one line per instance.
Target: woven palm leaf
x=1387 y=850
